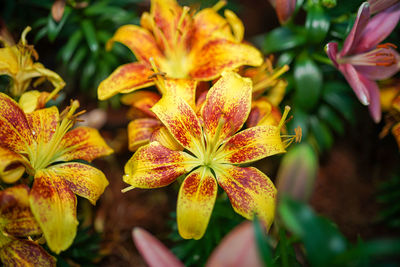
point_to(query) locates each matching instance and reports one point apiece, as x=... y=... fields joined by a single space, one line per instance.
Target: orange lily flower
x=180 y=45
x=214 y=153
x=16 y=62
x=17 y=221
x=36 y=143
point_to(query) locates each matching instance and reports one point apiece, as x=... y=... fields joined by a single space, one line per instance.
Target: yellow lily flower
x=180 y=45
x=214 y=154
x=16 y=61
x=37 y=143
x=17 y=221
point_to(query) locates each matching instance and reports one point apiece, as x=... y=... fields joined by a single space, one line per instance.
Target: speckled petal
x=25 y=253
x=16 y=212
x=251 y=144
x=140 y=131
x=54 y=206
x=249 y=190
x=154 y=166
x=182 y=87
x=43 y=123
x=181 y=121
x=84 y=180
x=229 y=102
x=263 y=113
x=12 y=165
x=195 y=203
x=125 y=79
x=15 y=132
x=83 y=143
x=142 y=100
x=222 y=55
x=139 y=40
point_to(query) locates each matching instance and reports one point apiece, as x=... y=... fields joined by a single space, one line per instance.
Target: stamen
x=283 y=119
x=219 y=5
x=387 y=45
x=381 y=56
x=23 y=35
x=271 y=79
x=126 y=189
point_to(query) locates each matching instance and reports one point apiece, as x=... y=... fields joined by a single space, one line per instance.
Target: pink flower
x=362 y=60
x=379 y=5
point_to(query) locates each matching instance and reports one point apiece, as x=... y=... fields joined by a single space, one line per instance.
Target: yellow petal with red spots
x=142 y=100
x=222 y=55
x=263 y=113
x=250 y=145
x=195 y=203
x=184 y=88
x=154 y=166
x=250 y=192
x=236 y=25
x=84 y=180
x=16 y=214
x=139 y=40
x=25 y=253
x=181 y=121
x=140 y=131
x=54 y=206
x=227 y=105
x=164 y=137
x=83 y=143
x=15 y=132
x=125 y=79
x=12 y=165
x=43 y=123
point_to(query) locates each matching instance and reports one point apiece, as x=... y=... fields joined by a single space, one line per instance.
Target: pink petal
x=153 y=251
x=332 y=50
x=381 y=72
x=358 y=28
x=375 y=105
x=378 y=28
x=353 y=78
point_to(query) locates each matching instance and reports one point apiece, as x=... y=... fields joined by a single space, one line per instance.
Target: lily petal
x=250 y=192
x=228 y=101
x=12 y=165
x=15 y=132
x=43 y=123
x=236 y=25
x=381 y=72
x=195 y=203
x=83 y=143
x=353 y=78
x=140 y=131
x=54 y=206
x=139 y=40
x=9 y=60
x=263 y=113
x=125 y=79
x=222 y=55
x=181 y=121
x=284 y=9
x=142 y=100
x=182 y=87
x=210 y=26
x=356 y=32
x=375 y=105
x=84 y=180
x=16 y=212
x=251 y=144
x=164 y=137
x=154 y=166
x=378 y=28
x=25 y=253
x=332 y=51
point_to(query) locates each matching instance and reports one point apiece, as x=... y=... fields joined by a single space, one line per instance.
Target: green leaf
x=71 y=46
x=53 y=28
x=317 y=24
x=308 y=82
x=283 y=38
x=322 y=240
x=262 y=244
x=336 y=94
x=90 y=35
x=321 y=133
x=328 y=115
x=77 y=59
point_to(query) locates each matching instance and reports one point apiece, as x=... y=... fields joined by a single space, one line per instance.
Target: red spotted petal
x=139 y=40
x=184 y=88
x=54 y=206
x=142 y=100
x=125 y=79
x=195 y=203
x=154 y=166
x=249 y=190
x=83 y=143
x=140 y=131
x=15 y=132
x=43 y=123
x=84 y=180
x=16 y=212
x=25 y=253
x=222 y=55
x=181 y=121
x=250 y=145
x=12 y=165
x=229 y=102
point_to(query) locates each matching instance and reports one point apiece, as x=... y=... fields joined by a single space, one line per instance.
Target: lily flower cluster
x=190 y=129
x=37 y=169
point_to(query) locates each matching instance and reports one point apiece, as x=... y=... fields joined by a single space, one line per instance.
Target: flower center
x=381 y=56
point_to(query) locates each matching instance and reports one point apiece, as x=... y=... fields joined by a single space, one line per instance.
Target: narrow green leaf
x=281 y=39
x=90 y=35
x=330 y=117
x=71 y=46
